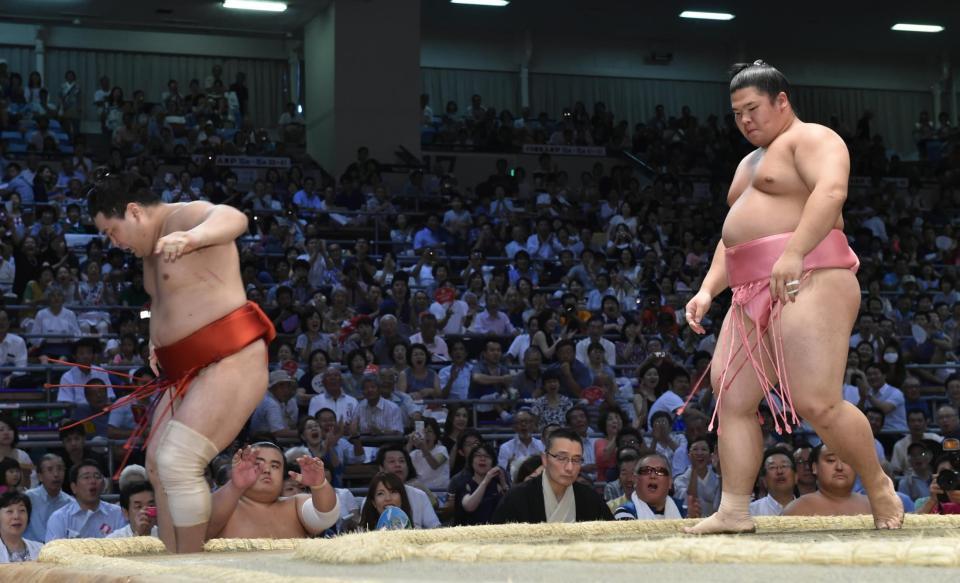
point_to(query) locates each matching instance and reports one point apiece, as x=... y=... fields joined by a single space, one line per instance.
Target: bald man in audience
x=835 y=495
x=250 y=504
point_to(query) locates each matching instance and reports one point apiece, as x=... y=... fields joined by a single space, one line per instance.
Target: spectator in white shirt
x=410 y=411
x=8 y=269
x=87 y=516
x=46 y=498
x=522 y=446
x=13 y=349
x=376 y=415
x=430 y=458
x=139 y=507
x=86 y=349
x=540 y=244
x=332 y=397
x=595 y=334
x=277 y=412
x=14 y=516
x=449 y=314
x=502 y=207
x=393 y=459
x=428 y=337
x=779 y=477
x=55 y=320
x=492 y=321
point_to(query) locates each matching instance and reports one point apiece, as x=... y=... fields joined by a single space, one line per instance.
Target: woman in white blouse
x=430 y=458
x=14 y=517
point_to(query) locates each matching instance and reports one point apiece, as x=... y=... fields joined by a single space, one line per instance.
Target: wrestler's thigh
x=816 y=337
x=743 y=392
x=223 y=396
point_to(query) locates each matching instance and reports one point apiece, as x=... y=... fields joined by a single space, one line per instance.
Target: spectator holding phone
x=140 y=509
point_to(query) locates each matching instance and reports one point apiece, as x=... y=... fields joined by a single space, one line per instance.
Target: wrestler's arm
x=715 y=282
x=320 y=510
x=823 y=163
x=201 y=225
x=716 y=279
x=224 y=503
x=220 y=224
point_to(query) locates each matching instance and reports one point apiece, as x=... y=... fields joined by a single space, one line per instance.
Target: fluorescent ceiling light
x=706 y=15
x=917 y=27
x=482 y=2
x=260 y=5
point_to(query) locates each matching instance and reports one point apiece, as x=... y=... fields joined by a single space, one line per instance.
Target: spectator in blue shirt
x=307 y=198
x=46 y=498
x=431 y=235
x=87 y=516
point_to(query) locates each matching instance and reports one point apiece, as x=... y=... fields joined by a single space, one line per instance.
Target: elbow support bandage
x=182 y=456
x=315 y=521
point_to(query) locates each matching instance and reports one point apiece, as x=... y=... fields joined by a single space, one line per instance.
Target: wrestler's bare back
x=196 y=289
x=255 y=520
x=767 y=194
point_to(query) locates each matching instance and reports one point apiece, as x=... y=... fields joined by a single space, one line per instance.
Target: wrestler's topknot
x=759 y=75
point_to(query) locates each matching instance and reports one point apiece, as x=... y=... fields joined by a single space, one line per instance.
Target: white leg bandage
x=315 y=521
x=182 y=456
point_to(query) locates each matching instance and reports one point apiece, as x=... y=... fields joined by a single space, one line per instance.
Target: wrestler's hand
x=177 y=244
x=788 y=268
x=311 y=472
x=245 y=468
x=696 y=309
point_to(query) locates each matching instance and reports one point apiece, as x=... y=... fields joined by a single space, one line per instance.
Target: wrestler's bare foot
x=886 y=506
x=721 y=524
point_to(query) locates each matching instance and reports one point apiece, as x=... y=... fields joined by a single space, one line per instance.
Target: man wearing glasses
x=651 y=496
x=87 y=516
x=780 y=478
x=555 y=495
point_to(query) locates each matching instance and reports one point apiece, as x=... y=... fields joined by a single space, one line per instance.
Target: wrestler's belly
x=757 y=214
x=179 y=315
x=263 y=526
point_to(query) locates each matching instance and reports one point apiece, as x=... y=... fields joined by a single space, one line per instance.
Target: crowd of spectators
x=677 y=142
x=529 y=330
x=211 y=116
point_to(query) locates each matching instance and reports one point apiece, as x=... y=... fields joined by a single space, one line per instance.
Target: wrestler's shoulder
x=187 y=215
x=801 y=506
x=748 y=160
x=806 y=132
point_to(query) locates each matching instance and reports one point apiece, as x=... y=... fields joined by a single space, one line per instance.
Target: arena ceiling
x=169 y=15
x=855 y=26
